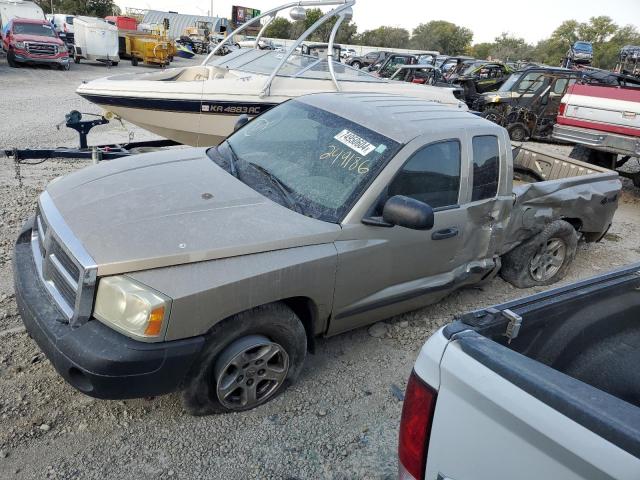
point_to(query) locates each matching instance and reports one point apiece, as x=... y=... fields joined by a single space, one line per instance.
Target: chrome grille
x=35 y=48
x=70 y=281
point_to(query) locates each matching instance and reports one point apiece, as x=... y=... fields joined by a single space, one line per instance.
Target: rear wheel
x=247 y=360
x=544 y=259
x=134 y=61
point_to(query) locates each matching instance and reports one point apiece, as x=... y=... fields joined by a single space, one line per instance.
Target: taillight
x=415 y=428
x=562 y=109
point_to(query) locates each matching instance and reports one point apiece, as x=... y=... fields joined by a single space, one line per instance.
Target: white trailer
x=19 y=9
x=95 y=40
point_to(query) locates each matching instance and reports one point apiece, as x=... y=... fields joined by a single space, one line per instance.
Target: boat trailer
x=97 y=153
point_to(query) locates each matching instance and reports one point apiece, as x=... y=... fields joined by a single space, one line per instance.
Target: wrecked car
x=424 y=75
x=526 y=104
x=212 y=271
x=479 y=77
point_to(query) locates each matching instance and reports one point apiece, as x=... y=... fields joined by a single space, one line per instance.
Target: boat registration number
x=232 y=109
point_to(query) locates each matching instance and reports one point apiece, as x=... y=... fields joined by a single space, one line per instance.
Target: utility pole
x=52 y=6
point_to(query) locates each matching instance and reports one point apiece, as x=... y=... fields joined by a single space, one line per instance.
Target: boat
x=184 y=51
x=199 y=105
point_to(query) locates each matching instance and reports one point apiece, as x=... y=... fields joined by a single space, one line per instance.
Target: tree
x=279 y=28
x=507 y=47
x=92 y=8
x=386 y=37
x=480 y=50
x=598 y=30
x=445 y=37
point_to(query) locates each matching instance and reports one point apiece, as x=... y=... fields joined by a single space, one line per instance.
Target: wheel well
x=576 y=223
x=306 y=310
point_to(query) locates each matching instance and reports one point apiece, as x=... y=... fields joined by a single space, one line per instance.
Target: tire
x=134 y=61
x=595 y=157
x=275 y=324
x=357 y=65
x=64 y=67
x=11 y=59
x=537 y=262
x=76 y=59
x=518 y=132
x=114 y=64
x=494 y=115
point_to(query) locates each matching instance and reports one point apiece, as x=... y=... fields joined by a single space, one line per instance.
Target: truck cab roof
x=398 y=117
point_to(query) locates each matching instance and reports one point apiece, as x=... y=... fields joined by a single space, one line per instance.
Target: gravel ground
x=339 y=421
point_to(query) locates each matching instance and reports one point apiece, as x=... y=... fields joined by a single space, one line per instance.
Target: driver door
x=383 y=271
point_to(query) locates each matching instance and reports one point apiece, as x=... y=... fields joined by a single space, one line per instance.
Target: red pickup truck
x=34 y=42
x=604 y=123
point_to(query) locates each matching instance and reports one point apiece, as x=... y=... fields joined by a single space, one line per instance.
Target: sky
x=532 y=20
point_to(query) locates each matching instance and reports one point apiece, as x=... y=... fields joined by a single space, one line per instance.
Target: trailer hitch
x=73 y=120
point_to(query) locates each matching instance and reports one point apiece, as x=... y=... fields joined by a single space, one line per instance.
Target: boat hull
x=190 y=122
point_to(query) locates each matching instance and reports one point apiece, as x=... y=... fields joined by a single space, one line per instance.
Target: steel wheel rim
x=549 y=259
x=249 y=372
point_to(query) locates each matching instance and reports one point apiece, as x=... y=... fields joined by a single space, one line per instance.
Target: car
x=527 y=103
x=347 y=52
x=580 y=52
x=64 y=26
x=390 y=64
x=477 y=77
x=425 y=75
x=34 y=42
x=212 y=271
x=451 y=64
x=367 y=60
x=540 y=387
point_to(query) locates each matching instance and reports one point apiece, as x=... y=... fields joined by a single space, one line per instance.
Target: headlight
x=131 y=308
x=63 y=49
x=20 y=45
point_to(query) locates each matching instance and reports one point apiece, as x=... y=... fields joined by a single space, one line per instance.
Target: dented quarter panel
x=205 y=293
x=590 y=199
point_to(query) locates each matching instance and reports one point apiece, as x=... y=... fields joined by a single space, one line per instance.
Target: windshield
x=511 y=81
x=33 y=29
x=583 y=47
x=323 y=160
x=300 y=66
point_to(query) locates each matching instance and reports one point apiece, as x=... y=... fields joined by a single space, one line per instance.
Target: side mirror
x=408 y=212
x=241 y=122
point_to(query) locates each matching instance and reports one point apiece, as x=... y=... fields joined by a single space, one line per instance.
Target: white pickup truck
x=546 y=387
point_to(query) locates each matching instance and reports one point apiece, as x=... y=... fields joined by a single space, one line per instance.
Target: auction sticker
x=355 y=142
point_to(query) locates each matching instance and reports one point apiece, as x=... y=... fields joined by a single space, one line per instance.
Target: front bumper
x=93 y=358
x=22 y=58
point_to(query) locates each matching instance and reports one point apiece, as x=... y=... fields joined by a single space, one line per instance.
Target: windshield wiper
x=284 y=189
x=233 y=160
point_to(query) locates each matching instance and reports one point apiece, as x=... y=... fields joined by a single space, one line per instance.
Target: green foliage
x=441 y=36
x=388 y=37
x=480 y=50
x=91 y=8
x=506 y=47
x=279 y=28
x=345 y=34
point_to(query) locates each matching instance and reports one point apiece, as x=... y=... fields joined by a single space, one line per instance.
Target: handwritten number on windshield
x=345 y=158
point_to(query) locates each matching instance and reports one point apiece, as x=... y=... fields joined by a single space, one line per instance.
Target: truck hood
x=38 y=38
x=168 y=208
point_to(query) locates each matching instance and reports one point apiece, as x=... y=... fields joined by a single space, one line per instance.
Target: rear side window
x=431 y=175
x=486 y=168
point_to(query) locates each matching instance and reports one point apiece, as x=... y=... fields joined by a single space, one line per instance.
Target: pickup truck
x=211 y=271
x=30 y=41
x=604 y=123
x=542 y=387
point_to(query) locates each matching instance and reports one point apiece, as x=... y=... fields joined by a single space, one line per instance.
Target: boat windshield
x=297 y=65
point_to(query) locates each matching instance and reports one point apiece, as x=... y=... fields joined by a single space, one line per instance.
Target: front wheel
x=544 y=259
x=357 y=65
x=11 y=59
x=246 y=361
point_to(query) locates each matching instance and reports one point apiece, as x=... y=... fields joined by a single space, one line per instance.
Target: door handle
x=443 y=234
